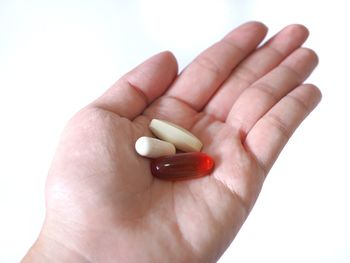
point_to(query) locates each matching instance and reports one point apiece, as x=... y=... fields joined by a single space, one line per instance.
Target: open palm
x=243 y=102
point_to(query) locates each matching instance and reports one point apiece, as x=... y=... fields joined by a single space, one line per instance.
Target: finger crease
x=267 y=90
x=234 y=46
x=139 y=91
x=292 y=71
x=181 y=101
x=279 y=125
x=210 y=65
x=249 y=74
x=274 y=50
x=298 y=101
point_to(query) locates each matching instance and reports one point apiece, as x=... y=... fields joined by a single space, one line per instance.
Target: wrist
x=47 y=249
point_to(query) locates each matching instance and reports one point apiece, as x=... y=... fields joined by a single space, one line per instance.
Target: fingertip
x=165 y=59
x=254 y=23
x=316 y=93
x=302 y=61
x=243 y=34
x=256 y=26
x=169 y=58
x=309 y=55
x=297 y=28
x=296 y=31
x=308 y=94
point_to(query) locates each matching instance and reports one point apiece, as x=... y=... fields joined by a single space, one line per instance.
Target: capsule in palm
x=182 y=166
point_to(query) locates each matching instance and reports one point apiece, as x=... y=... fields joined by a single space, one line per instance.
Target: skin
x=242 y=100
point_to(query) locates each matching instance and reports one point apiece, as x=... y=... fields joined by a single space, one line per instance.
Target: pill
x=182 y=166
x=153 y=148
x=180 y=137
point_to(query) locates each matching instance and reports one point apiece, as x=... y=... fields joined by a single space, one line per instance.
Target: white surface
x=56 y=56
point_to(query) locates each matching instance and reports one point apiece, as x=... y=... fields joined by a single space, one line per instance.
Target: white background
x=56 y=56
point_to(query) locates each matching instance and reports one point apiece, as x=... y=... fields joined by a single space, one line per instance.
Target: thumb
x=131 y=94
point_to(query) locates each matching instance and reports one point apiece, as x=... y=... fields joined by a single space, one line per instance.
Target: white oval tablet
x=153 y=148
x=180 y=137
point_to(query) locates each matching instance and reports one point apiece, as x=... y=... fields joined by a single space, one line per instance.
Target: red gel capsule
x=182 y=166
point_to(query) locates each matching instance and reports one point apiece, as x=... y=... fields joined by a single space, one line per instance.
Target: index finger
x=199 y=81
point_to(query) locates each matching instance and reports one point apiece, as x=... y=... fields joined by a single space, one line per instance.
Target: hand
x=243 y=102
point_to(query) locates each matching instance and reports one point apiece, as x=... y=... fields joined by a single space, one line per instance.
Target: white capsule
x=153 y=148
x=180 y=137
